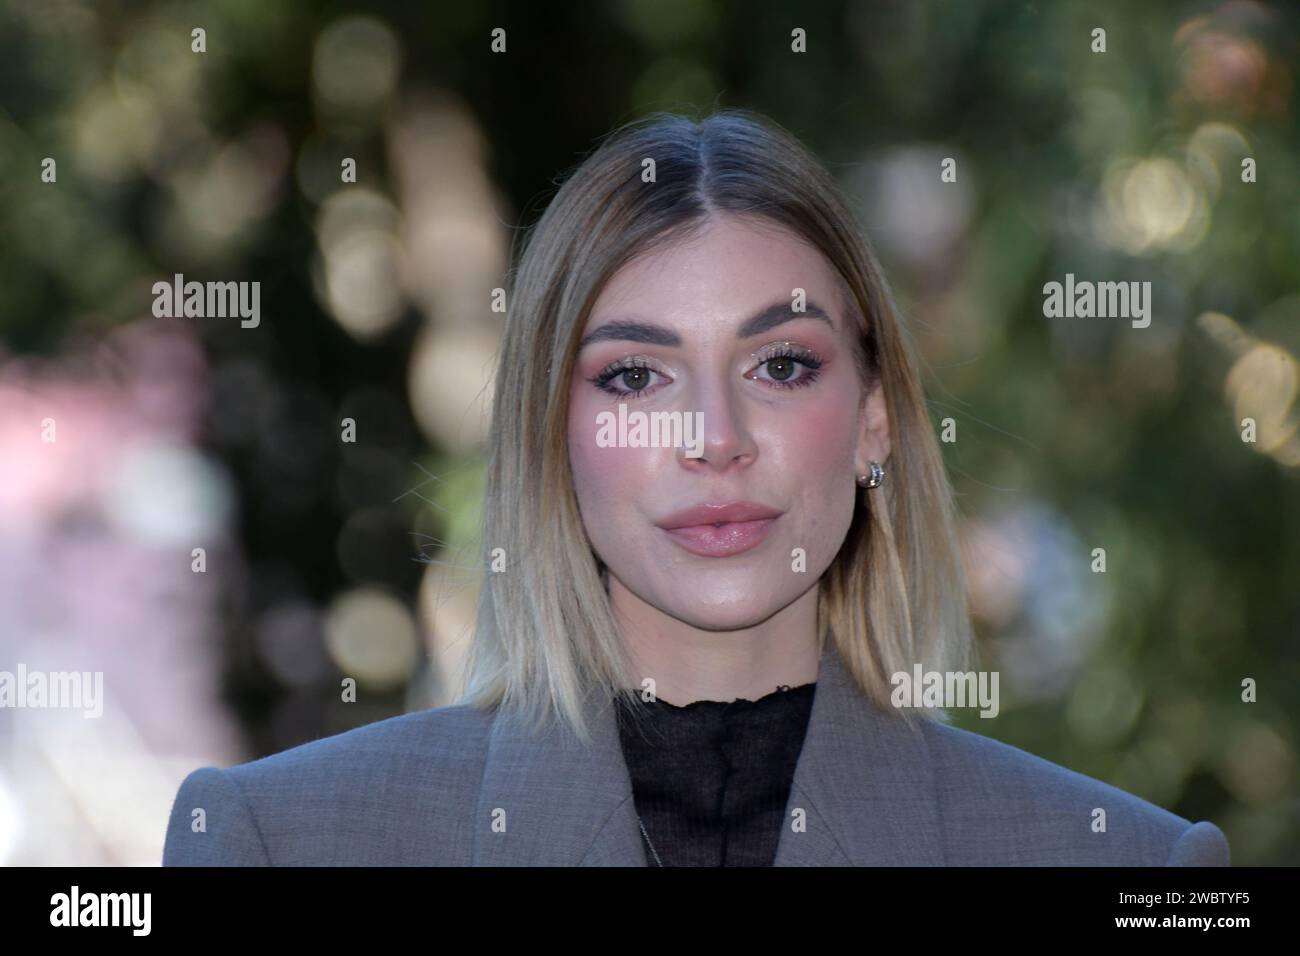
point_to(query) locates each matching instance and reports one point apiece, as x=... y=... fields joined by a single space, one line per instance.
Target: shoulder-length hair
x=545 y=638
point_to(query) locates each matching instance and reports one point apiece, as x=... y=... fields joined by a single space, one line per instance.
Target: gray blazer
x=454 y=786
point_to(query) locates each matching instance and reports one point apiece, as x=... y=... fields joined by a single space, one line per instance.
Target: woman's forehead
x=730 y=269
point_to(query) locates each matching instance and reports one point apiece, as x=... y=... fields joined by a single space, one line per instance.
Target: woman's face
x=709 y=326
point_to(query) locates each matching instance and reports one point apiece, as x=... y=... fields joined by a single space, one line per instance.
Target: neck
x=689 y=663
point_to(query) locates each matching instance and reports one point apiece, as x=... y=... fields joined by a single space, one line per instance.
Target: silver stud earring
x=874 y=479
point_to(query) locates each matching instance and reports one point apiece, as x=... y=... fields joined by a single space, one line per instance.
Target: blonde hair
x=545 y=637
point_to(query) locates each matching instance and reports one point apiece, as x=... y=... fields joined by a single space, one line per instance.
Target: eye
x=790 y=366
x=626 y=378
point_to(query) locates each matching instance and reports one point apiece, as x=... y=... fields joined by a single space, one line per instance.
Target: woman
x=697 y=603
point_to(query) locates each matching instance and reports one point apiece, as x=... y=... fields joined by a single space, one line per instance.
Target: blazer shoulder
x=1001 y=805
x=355 y=798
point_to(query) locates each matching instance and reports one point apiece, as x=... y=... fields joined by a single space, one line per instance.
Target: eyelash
x=805 y=357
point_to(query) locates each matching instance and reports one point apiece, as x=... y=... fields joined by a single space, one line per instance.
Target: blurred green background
x=324 y=557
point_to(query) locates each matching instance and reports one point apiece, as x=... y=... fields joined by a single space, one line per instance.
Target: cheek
x=817 y=453
x=820 y=443
x=605 y=479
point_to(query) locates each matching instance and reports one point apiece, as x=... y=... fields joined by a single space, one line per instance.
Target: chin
x=722 y=617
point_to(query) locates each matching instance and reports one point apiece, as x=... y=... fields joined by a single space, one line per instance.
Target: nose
x=724 y=437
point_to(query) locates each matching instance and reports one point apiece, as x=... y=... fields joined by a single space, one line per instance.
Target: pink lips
x=716 y=531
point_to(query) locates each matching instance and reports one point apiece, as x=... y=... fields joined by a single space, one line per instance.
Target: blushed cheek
x=605 y=479
x=818 y=460
x=821 y=443
x=584 y=459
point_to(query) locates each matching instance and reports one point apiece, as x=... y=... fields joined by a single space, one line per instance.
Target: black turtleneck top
x=711 y=779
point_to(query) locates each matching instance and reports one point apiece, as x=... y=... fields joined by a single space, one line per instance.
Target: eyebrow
x=648 y=334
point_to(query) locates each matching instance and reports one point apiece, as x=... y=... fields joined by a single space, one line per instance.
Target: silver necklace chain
x=647 y=840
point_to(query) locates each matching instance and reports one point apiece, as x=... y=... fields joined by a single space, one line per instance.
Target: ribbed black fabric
x=710 y=780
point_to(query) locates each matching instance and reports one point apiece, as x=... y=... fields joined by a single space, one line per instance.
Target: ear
x=873 y=431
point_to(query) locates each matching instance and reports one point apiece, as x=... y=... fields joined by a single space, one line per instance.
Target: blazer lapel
x=863 y=788
x=550 y=801
x=862 y=793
